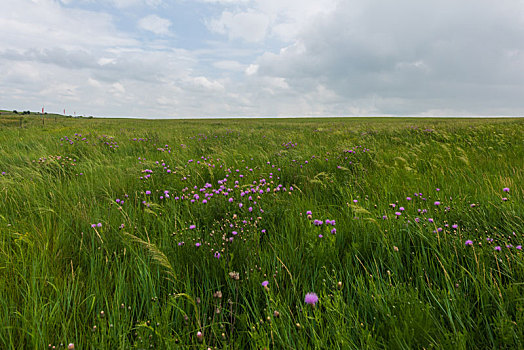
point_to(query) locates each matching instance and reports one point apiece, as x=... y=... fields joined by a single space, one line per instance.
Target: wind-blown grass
x=141 y=234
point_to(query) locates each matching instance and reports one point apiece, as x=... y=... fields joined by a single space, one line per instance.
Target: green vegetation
x=118 y=234
x=27 y=118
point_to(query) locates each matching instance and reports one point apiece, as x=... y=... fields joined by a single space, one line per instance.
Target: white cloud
x=154 y=3
x=61 y=90
x=46 y=24
x=94 y=69
x=117 y=89
x=155 y=24
x=230 y=65
x=105 y=60
x=309 y=57
x=250 y=26
x=203 y=82
x=131 y=3
x=93 y=82
x=251 y=69
x=292 y=16
x=256 y=20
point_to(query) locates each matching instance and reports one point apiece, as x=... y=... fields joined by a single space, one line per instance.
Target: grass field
x=118 y=234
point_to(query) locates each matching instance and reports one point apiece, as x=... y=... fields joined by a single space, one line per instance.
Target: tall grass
x=79 y=266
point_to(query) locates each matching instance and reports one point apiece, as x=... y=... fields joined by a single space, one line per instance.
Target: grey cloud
x=466 y=55
x=76 y=59
x=151 y=66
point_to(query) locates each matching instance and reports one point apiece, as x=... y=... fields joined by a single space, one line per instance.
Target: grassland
x=118 y=234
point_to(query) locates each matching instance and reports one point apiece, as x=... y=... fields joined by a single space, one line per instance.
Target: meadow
x=350 y=233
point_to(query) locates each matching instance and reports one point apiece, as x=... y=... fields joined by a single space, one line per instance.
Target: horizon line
x=322 y=116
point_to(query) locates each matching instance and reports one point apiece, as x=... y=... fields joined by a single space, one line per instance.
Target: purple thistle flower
x=265 y=283
x=455 y=226
x=311 y=299
x=505 y=189
x=192 y=227
x=469 y=242
x=334 y=231
x=437 y=203
x=498 y=249
x=217 y=255
x=99 y=224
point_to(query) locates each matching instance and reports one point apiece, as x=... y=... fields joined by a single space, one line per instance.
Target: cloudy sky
x=217 y=58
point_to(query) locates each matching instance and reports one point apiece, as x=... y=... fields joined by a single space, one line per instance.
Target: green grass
x=383 y=282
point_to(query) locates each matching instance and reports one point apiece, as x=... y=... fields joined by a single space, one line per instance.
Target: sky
x=228 y=58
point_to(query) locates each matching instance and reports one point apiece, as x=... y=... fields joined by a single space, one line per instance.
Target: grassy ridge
x=188 y=249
